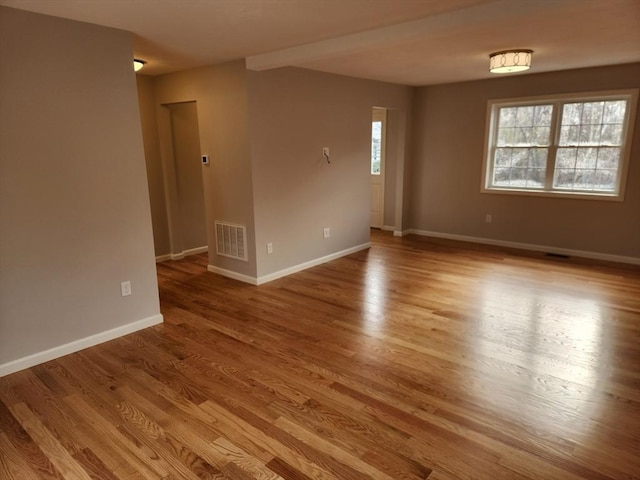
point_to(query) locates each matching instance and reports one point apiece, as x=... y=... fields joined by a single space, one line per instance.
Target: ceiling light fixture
x=138 y=64
x=509 y=61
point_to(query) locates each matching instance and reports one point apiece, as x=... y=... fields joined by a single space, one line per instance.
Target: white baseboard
x=231 y=274
x=388 y=228
x=527 y=246
x=76 y=345
x=312 y=263
x=400 y=233
x=181 y=255
x=195 y=251
x=287 y=271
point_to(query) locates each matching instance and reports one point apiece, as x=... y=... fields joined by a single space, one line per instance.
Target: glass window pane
x=501 y=177
x=614 y=111
x=605 y=180
x=541 y=135
x=571 y=114
x=524 y=116
x=520 y=157
x=592 y=113
x=524 y=136
x=503 y=157
x=587 y=158
x=608 y=158
x=611 y=135
x=535 y=177
x=376 y=143
x=588 y=134
x=518 y=177
x=507 y=136
x=570 y=135
x=584 y=179
x=540 y=157
x=542 y=115
x=507 y=117
x=563 y=178
x=566 y=157
x=520 y=167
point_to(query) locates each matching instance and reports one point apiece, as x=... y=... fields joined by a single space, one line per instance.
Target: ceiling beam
x=491 y=13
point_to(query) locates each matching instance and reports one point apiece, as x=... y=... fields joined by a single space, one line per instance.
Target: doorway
x=378 y=150
x=183 y=180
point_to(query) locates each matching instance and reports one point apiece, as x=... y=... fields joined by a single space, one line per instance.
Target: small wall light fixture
x=509 y=61
x=138 y=64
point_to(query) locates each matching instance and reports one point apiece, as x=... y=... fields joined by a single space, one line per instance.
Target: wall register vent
x=231 y=241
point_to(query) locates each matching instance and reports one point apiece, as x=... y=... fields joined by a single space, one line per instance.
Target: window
x=376 y=145
x=569 y=145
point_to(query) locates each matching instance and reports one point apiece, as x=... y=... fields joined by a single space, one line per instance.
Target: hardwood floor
x=412 y=360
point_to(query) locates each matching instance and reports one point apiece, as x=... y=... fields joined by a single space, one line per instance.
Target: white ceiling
x=412 y=42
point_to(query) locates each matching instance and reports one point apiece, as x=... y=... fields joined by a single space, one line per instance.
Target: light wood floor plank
x=12 y=465
x=418 y=359
x=55 y=452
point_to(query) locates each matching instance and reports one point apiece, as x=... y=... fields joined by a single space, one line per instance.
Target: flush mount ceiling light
x=138 y=64
x=509 y=61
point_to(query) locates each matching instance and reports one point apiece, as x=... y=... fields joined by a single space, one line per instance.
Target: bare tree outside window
x=561 y=146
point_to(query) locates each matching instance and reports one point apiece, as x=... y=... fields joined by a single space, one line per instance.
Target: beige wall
x=293 y=114
x=264 y=133
x=447 y=167
x=394 y=135
x=147 y=105
x=221 y=95
x=74 y=216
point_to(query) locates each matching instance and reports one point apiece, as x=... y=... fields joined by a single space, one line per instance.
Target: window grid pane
x=520 y=167
x=523 y=136
x=524 y=126
x=589 y=148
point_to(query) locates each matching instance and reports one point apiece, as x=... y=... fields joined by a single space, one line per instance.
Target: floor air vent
x=231 y=241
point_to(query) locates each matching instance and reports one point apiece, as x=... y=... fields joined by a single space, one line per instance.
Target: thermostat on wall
x=205 y=159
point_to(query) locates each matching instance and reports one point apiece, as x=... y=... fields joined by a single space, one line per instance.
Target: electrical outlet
x=125 y=288
x=326 y=232
x=269 y=248
x=487 y=218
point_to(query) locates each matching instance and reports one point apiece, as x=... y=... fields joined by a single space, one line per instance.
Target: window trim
x=490 y=138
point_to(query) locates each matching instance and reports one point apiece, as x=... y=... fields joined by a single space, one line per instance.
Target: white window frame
x=493 y=106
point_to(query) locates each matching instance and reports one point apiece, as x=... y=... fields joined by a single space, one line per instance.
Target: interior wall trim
x=234 y=275
x=77 y=345
x=312 y=263
x=287 y=271
x=525 y=246
x=181 y=255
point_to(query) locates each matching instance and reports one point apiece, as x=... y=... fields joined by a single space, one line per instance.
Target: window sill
x=606 y=197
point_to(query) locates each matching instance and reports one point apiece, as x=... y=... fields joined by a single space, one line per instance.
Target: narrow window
x=376 y=146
